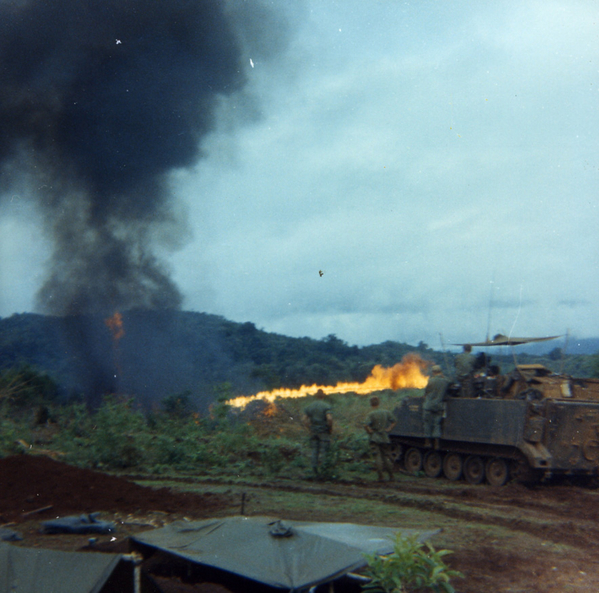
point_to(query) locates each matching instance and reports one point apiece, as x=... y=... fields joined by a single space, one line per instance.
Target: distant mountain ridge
x=582 y=346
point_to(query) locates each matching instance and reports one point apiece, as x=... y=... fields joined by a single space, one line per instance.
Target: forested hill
x=168 y=352
x=157 y=354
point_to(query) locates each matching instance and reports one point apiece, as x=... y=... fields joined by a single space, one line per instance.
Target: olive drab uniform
x=464 y=370
x=379 y=422
x=320 y=431
x=434 y=405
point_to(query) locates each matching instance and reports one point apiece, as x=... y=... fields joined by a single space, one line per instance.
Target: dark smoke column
x=99 y=101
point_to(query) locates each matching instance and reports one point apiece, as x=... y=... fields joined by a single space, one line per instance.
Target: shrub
x=114 y=437
x=11 y=432
x=279 y=455
x=23 y=388
x=177 y=405
x=412 y=566
x=273 y=460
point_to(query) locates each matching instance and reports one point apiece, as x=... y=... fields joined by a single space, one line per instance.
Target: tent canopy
x=291 y=555
x=30 y=570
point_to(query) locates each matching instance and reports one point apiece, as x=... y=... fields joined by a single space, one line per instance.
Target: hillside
x=156 y=354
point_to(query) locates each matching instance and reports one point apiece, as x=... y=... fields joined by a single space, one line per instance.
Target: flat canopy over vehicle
x=501 y=340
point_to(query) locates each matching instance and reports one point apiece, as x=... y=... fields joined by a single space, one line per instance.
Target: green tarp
x=29 y=570
x=290 y=555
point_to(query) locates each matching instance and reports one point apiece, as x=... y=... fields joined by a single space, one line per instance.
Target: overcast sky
x=411 y=170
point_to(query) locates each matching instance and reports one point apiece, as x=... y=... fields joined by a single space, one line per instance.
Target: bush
x=11 y=432
x=273 y=460
x=263 y=440
x=412 y=566
x=23 y=388
x=177 y=405
x=114 y=437
x=280 y=455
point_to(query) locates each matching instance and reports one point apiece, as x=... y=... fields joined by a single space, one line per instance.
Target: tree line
x=161 y=353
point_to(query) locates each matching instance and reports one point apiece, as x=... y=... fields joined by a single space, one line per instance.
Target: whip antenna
x=561 y=366
x=490 y=308
x=444 y=352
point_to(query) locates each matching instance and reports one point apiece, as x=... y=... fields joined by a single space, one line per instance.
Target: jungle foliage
x=165 y=352
x=175 y=434
x=121 y=435
x=176 y=352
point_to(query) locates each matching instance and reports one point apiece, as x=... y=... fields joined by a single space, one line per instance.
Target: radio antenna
x=561 y=366
x=491 y=295
x=447 y=367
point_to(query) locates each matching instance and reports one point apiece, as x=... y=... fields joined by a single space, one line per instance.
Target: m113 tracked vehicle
x=528 y=425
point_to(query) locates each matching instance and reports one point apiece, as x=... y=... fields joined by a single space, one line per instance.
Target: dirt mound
x=29 y=483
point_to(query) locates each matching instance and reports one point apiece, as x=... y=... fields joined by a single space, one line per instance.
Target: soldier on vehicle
x=319 y=420
x=464 y=369
x=433 y=407
x=378 y=425
x=493 y=381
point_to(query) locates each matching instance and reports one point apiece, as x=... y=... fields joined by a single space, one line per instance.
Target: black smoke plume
x=99 y=101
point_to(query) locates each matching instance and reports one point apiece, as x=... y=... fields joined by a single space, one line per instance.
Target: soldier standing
x=378 y=425
x=434 y=405
x=319 y=420
x=464 y=370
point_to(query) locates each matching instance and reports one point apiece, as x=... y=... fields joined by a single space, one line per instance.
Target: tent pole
x=137 y=560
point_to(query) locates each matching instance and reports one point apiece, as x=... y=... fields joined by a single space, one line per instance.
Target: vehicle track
x=561 y=514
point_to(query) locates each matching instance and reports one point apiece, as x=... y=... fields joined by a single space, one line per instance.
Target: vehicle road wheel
x=413 y=461
x=433 y=464
x=452 y=466
x=522 y=472
x=396 y=451
x=474 y=470
x=497 y=471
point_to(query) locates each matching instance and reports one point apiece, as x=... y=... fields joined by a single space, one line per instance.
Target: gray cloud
x=438 y=164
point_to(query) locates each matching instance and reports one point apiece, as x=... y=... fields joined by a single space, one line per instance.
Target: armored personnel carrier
x=528 y=425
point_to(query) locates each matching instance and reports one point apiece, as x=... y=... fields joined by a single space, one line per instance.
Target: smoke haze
x=99 y=101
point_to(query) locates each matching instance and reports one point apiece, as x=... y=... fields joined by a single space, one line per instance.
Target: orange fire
x=115 y=325
x=405 y=374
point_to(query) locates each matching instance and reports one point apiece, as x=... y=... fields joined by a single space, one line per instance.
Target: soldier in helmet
x=319 y=420
x=434 y=405
x=378 y=425
x=464 y=370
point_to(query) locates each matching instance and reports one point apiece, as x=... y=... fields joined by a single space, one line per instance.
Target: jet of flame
x=404 y=375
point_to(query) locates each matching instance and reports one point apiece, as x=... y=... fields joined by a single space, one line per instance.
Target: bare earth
x=508 y=539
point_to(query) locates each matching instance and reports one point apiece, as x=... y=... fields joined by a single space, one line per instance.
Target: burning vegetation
x=115 y=325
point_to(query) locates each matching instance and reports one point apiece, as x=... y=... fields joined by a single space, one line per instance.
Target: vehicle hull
x=534 y=438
